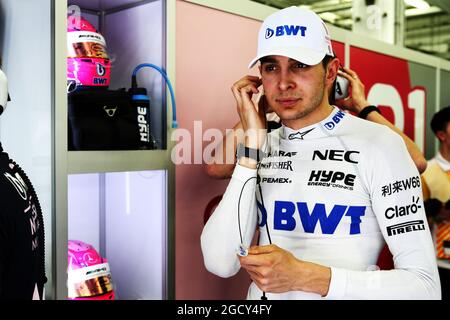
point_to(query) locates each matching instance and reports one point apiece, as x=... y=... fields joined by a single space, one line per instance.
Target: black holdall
x=101 y=119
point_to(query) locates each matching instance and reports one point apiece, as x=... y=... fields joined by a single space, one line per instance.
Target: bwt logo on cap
x=286 y=30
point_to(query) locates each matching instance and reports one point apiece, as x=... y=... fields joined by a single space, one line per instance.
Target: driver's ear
x=440 y=135
x=332 y=69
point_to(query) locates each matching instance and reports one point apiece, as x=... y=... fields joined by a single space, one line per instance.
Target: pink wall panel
x=339 y=50
x=213 y=50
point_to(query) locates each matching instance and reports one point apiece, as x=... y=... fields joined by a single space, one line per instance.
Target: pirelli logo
x=405 y=227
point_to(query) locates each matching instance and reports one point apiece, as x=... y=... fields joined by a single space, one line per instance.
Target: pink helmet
x=88 y=63
x=88 y=274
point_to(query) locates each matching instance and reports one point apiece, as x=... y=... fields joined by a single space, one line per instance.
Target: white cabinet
x=122 y=202
x=123 y=215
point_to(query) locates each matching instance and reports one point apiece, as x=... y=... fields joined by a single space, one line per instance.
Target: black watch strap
x=366 y=110
x=243 y=151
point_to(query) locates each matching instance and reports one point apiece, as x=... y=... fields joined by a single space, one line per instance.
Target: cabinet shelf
x=102 y=5
x=104 y=197
x=117 y=161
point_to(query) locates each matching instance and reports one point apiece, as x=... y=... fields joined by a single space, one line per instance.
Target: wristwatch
x=366 y=110
x=243 y=151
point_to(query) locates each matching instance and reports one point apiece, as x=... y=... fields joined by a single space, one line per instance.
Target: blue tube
x=169 y=85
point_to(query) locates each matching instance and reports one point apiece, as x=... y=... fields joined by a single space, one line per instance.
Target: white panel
x=83 y=208
x=376 y=20
x=135 y=36
x=135 y=224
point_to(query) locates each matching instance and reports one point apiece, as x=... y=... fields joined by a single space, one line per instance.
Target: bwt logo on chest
x=286 y=31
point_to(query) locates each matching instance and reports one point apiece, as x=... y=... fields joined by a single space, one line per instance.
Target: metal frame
x=70 y=162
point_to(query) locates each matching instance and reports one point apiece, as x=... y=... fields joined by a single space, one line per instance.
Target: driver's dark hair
x=440 y=120
x=325 y=61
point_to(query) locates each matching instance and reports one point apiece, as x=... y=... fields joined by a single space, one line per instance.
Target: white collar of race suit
x=320 y=129
x=442 y=162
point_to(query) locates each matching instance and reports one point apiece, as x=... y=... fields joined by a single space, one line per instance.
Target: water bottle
x=141 y=102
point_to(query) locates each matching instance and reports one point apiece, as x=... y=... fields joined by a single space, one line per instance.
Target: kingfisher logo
x=335 y=120
x=285 y=211
x=286 y=165
x=286 y=30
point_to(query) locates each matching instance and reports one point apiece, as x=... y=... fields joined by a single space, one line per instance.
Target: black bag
x=103 y=120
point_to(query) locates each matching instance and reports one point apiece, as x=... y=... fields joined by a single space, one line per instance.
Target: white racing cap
x=296 y=33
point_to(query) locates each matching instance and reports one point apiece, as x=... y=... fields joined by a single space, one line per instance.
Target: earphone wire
x=258 y=183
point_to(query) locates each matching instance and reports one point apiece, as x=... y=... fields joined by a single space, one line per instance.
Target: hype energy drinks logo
x=286 y=30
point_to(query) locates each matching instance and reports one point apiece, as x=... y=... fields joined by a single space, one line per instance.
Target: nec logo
x=336 y=155
x=284 y=216
x=335 y=120
x=286 y=30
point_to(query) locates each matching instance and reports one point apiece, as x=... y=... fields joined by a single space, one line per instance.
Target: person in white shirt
x=436 y=194
x=437 y=174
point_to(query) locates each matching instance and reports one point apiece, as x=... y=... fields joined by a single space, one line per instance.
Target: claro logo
x=401 y=211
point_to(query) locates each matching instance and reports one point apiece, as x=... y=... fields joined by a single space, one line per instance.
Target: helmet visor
x=89 y=281
x=84 y=44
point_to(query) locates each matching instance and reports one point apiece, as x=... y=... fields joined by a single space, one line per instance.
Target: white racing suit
x=333 y=193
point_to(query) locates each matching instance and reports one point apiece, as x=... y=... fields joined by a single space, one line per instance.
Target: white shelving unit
x=122 y=202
